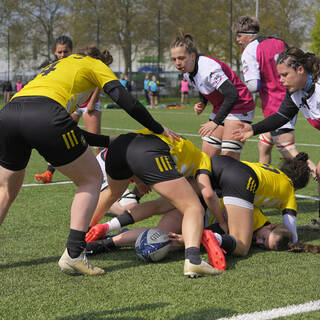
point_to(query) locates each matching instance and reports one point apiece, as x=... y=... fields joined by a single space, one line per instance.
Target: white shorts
x=80 y=111
x=289 y=126
x=245 y=117
x=127 y=197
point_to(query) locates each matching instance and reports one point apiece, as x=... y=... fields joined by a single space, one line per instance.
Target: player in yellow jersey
x=245 y=185
x=163 y=165
x=38 y=117
x=171 y=222
x=63 y=47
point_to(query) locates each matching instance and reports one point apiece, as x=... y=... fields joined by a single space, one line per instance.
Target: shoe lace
x=86 y=261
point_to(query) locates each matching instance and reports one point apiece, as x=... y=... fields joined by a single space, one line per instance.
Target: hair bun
x=302 y=156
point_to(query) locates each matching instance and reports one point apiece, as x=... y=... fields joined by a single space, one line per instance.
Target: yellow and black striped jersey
x=69 y=81
x=189 y=160
x=275 y=189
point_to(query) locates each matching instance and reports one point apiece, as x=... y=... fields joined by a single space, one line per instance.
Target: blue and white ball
x=152 y=245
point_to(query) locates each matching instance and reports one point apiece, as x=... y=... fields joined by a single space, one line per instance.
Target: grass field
x=33 y=237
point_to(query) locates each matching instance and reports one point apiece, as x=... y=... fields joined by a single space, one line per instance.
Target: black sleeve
x=203 y=99
x=286 y=112
x=131 y=105
x=231 y=96
x=96 y=140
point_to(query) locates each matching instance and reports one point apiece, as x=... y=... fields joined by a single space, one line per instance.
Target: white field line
x=196 y=135
x=278 y=312
x=175 y=112
x=46 y=184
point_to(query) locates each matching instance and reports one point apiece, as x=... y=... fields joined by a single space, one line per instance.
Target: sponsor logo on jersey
x=215 y=77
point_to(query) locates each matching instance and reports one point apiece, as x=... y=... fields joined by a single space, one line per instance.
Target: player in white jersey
x=260 y=74
x=217 y=83
x=300 y=74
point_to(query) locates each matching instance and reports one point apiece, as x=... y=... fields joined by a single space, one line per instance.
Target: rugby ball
x=152 y=245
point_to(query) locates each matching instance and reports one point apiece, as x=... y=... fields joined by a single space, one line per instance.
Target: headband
x=251 y=33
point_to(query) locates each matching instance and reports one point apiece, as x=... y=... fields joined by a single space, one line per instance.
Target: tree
x=315 y=34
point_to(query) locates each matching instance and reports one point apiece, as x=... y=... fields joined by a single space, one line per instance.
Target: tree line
x=147 y=27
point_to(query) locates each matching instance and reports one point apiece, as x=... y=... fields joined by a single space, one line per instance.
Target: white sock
x=218 y=237
x=114 y=224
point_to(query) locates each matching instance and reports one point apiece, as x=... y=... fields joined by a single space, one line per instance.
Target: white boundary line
x=196 y=135
x=278 y=312
x=307 y=197
x=46 y=184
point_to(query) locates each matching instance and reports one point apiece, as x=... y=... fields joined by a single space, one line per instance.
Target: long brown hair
x=95 y=53
x=297 y=170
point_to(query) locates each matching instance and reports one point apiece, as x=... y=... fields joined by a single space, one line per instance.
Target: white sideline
x=278 y=312
x=196 y=135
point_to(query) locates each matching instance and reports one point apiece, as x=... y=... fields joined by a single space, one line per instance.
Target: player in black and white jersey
x=300 y=73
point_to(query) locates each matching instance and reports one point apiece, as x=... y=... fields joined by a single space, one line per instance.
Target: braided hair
x=185 y=40
x=294 y=57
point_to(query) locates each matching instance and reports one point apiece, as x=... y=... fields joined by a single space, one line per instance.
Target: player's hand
x=176 y=237
x=170 y=134
x=97 y=232
x=207 y=129
x=243 y=133
x=199 y=107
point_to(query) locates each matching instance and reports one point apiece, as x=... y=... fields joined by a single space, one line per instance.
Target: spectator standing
x=7 y=89
x=19 y=85
x=123 y=80
x=154 y=91
x=146 y=84
x=184 y=91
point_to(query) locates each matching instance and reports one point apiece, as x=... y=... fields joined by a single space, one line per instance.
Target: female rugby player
x=300 y=74
x=38 y=117
x=162 y=165
x=218 y=84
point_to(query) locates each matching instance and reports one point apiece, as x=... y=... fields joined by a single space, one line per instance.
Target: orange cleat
x=215 y=253
x=45 y=177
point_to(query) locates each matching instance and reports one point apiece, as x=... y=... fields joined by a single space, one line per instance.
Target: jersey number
x=49 y=68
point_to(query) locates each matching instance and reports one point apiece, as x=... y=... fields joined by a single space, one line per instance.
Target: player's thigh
x=240 y=223
x=229 y=127
x=84 y=169
x=171 y=222
x=179 y=192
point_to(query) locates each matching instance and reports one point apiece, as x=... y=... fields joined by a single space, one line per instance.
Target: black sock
x=51 y=168
x=76 y=243
x=193 y=254
x=125 y=219
x=109 y=243
x=228 y=243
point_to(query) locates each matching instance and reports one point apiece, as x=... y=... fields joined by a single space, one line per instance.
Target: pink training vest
x=272 y=92
x=184 y=86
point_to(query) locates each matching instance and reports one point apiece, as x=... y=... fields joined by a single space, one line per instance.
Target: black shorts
x=233 y=179
x=154 y=93
x=146 y=156
x=39 y=123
